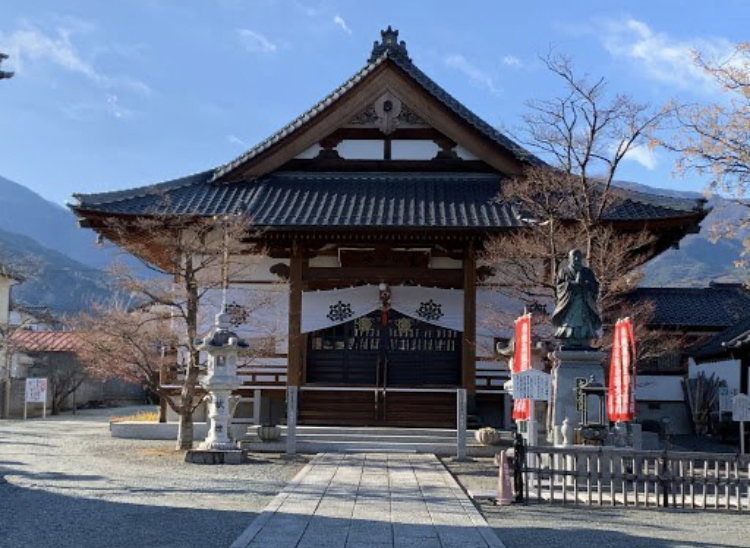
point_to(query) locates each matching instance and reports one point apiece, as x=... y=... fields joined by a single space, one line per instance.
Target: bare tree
x=64 y=373
x=192 y=259
x=714 y=139
x=132 y=345
x=585 y=133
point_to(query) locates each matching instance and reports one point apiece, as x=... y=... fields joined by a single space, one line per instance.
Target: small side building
x=51 y=355
x=699 y=319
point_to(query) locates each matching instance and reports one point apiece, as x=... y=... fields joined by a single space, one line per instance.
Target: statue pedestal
x=572 y=367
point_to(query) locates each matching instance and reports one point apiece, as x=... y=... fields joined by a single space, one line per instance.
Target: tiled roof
x=396 y=54
x=359 y=199
x=634 y=205
x=735 y=337
x=25 y=340
x=342 y=199
x=290 y=199
x=719 y=306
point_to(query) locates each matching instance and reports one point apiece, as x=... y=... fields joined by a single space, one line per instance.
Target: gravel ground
x=547 y=526
x=67 y=483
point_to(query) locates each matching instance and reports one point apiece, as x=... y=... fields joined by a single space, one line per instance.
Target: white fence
x=623 y=477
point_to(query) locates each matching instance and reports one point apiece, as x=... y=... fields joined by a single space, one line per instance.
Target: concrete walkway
x=371 y=500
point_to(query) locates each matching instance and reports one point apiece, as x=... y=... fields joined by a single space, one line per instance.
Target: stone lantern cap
x=221 y=335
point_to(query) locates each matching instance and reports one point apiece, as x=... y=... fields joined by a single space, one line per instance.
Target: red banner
x=522 y=362
x=621 y=392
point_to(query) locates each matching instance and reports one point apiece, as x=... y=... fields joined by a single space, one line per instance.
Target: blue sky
x=121 y=93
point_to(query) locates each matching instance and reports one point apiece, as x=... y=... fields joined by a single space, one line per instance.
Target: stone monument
x=220 y=346
x=577 y=320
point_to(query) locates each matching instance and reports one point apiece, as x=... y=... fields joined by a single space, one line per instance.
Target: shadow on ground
x=42 y=519
x=591 y=527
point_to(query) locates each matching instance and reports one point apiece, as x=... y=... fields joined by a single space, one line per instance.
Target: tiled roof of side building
x=720 y=345
x=715 y=307
x=44 y=341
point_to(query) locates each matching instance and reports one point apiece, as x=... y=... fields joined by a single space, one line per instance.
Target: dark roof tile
x=355 y=200
x=718 y=306
x=296 y=199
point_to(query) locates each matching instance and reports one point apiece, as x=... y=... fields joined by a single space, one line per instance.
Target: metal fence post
x=461 y=424
x=519 y=463
x=291 y=419
x=663 y=480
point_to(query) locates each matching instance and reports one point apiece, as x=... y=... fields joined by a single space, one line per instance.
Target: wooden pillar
x=294 y=367
x=468 y=380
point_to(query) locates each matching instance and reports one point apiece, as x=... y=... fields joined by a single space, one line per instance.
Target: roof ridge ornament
x=389 y=45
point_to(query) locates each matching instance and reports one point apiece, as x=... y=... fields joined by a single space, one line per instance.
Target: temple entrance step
x=335 y=439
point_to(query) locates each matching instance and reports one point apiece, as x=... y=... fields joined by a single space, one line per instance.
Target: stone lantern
x=220 y=380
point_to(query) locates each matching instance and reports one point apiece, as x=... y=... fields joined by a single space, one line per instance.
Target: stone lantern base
x=214 y=456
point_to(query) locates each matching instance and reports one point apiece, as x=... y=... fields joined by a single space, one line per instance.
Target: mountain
x=697 y=262
x=25 y=212
x=701 y=258
x=53 y=280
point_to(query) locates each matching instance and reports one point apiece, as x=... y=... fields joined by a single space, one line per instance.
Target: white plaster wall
x=408 y=149
x=361 y=149
x=5 y=284
x=728 y=370
x=465 y=154
x=659 y=388
x=310 y=153
x=242 y=268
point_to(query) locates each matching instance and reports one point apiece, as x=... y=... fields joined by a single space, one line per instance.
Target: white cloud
x=29 y=45
x=476 y=75
x=234 y=140
x=255 y=42
x=662 y=57
x=512 y=61
x=338 y=20
x=110 y=106
x=115 y=108
x=643 y=155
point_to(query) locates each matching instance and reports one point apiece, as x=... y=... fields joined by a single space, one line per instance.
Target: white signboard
x=725 y=398
x=741 y=408
x=531 y=384
x=36 y=390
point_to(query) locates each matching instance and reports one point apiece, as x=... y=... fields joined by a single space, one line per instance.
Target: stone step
x=382 y=438
x=366 y=447
x=375 y=431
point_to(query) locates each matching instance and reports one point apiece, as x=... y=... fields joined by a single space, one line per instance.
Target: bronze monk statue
x=576 y=312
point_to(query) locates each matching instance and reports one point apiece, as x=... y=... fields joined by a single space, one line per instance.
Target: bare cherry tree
x=714 y=139
x=584 y=134
x=192 y=259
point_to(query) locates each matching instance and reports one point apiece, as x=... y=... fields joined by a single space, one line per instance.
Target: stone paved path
x=373 y=501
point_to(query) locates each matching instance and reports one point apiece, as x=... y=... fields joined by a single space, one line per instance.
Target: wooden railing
x=271 y=373
x=490 y=377
x=267 y=373
x=264 y=373
x=624 y=477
